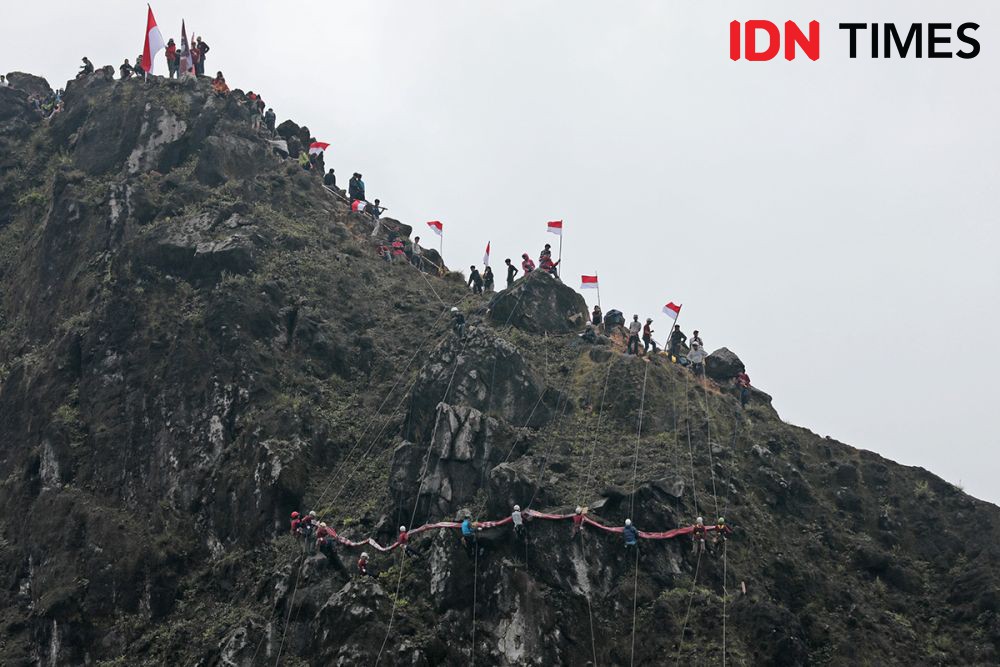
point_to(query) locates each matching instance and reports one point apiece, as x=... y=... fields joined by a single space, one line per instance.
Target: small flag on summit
x=486 y=257
x=588 y=282
x=358 y=205
x=436 y=226
x=672 y=310
x=555 y=227
x=317 y=147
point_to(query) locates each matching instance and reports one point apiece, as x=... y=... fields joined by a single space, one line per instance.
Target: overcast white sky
x=832 y=222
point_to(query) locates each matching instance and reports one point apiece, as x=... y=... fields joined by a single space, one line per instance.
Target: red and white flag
x=358 y=205
x=436 y=226
x=588 y=282
x=486 y=256
x=153 y=44
x=672 y=310
x=317 y=147
x=555 y=227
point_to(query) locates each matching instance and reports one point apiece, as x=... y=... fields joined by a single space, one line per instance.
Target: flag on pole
x=486 y=257
x=153 y=44
x=186 y=66
x=358 y=205
x=436 y=226
x=588 y=282
x=672 y=310
x=317 y=147
x=555 y=227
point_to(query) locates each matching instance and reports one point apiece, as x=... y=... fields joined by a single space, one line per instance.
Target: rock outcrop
x=540 y=303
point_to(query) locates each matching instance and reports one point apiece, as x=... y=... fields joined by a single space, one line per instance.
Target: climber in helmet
x=363 y=566
x=457 y=322
x=698 y=536
x=308 y=527
x=518 y=521
x=295 y=523
x=469 y=540
x=631 y=534
x=526 y=264
x=404 y=541
x=633 y=335
x=719 y=534
x=325 y=537
x=578 y=515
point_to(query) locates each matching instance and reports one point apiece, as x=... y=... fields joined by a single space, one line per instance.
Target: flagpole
x=598 y=291
x=559 y=267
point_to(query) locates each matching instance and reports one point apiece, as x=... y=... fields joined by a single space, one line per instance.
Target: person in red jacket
x=172 y=59
x=325 y=537
x=743 y=382
x=647 y=336
x=404 y=542
x=363 y=566
x=527 y=266
x=296 y=522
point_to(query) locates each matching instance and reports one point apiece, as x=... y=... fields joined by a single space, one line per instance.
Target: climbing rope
x=694 y=582
x=475 y=590
x=416 y=502
x=631 y=509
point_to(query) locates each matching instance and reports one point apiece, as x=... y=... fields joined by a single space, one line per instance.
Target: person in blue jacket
x=469 y=535
x=631 y=534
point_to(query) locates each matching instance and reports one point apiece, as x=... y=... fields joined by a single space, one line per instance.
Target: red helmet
x=295 y=515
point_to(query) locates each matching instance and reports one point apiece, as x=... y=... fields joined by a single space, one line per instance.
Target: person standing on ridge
x=475 y=280
x=526 y=264
x=195 y=55
x=631 y=535
x=171 y=53
x=330 y=179
x=202 y=49
x=269 y=120
x=696 y=357
x=488 y=279
x=743 y=382
x=511 y=272
x=633 y=335
x=695 y=338
x=417 y=251
x=677 y=338
x=597 y=316
x=647 y=336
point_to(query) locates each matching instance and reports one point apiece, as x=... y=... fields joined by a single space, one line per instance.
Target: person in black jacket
x=475 y=280
x=488 y=279
x=511 y=272
x=125 y=70
x=202 y=51
x=677 y=338
x=330 y=180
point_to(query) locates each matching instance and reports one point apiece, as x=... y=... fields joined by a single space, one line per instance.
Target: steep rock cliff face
x=196 y=338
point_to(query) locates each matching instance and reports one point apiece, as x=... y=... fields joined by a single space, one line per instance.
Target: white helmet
x=700 y=521
x=364 y=554
x=312 y=512
x=517 y=508
x=628 y=522
x=454 y=309
x=579 y=509
x=322 y=524
x=402 y=529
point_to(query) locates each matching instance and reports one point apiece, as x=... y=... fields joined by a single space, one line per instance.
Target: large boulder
x=200 y=248
x=230 y=157
x=723 y=364
x=29 y=83
x=540 y=303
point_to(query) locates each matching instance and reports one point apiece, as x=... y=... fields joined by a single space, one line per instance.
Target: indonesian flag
x=555 y=227
x=588 y=282
x=317 y=147
x=486 y=256
x=672 y=310
x=436 y=226
x=358 y=205
x=154 y=42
